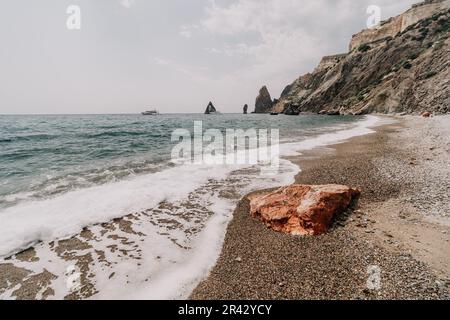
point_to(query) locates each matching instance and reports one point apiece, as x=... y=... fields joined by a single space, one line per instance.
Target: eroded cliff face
x=406 y=72
x=395 y=25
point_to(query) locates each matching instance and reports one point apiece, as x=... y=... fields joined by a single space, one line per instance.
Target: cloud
x=162 y=62
x=254 y=42
x=195 y=74
x=283 y=37
x=271 y=36
x=229 y=48
x=244 y=16
x=249 y=43
x=127 y=3
x=187 y=31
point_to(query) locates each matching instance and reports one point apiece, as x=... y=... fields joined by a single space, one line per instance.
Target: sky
x=129 y=56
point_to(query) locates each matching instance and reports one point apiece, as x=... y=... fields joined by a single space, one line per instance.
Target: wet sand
x=391 y=230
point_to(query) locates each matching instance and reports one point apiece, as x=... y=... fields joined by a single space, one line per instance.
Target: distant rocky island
x=403 y=66
x=210 y=109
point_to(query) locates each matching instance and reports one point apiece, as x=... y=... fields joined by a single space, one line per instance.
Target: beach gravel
x=349 y=262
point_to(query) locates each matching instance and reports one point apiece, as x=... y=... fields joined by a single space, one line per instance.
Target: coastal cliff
x=400 y=67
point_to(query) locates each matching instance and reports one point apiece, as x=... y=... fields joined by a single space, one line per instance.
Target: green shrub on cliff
x=444 y=26
x=407 y=65
x=361 y=96
x=430 y=74
x=414 y=56
x=426 y=22
x=364 y=47
x=423 y=32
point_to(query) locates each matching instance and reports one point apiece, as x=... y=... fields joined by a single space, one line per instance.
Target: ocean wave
x=65 y=214
x=117 y=134
x=22 y=155
x=177 y=270
x=33 y=137
x=53 y=183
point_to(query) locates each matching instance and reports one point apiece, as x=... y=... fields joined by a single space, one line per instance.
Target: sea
x=62 y=173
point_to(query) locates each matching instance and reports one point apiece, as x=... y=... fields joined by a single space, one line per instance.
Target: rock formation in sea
x=401 y=67
x=263 y=103
x=302 y=209
x=210 y=108
x=245 y=109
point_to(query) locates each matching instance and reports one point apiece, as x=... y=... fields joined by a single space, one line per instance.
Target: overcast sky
x=173 y=55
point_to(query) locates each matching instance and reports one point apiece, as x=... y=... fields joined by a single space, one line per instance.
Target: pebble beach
x=399 y=227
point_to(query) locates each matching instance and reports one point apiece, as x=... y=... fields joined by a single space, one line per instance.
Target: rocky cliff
x=393 y=26
x=403 y=66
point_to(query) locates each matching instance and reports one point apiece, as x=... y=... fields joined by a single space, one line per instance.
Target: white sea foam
x=178 y=271
x=67 y=214
x=177 y=280
x=363 y=127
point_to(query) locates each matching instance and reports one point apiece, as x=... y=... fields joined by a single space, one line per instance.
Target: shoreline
x=386 y=231
x=32 y=274
x=119 y=250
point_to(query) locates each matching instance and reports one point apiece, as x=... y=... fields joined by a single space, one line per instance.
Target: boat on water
x=150 y=113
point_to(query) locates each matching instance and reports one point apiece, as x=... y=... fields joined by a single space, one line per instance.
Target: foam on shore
x=180 y=270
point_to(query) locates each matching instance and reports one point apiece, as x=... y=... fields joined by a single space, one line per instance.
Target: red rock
x=426 y=114
x=302 y=209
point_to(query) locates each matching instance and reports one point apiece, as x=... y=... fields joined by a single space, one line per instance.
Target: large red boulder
x=302 y=209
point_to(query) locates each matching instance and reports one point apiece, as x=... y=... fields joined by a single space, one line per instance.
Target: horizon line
x=100 y=114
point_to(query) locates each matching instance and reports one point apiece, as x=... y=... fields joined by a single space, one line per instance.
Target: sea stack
x=245 y=109
x=263 y=103
x=210 y=108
